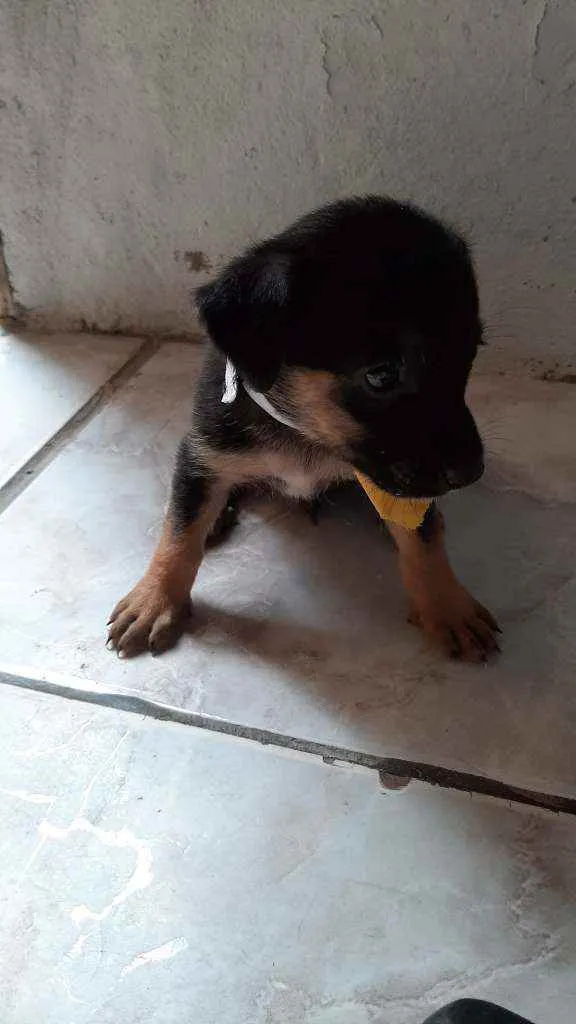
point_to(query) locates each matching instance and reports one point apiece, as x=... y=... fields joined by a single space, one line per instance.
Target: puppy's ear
x=246 y=313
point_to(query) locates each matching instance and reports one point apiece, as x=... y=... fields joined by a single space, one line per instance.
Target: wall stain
x=195 y=260
x=558 y=378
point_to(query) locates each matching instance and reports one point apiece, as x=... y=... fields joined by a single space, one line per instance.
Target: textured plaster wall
x=143 y=142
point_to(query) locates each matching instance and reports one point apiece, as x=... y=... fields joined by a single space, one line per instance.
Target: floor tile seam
x=28 y=472
x=393 y=772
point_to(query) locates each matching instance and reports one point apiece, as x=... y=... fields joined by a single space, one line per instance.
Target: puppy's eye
x=382 y=378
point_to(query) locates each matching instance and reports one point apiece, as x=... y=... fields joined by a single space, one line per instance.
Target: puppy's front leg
x=154 y=613
x=439 y=604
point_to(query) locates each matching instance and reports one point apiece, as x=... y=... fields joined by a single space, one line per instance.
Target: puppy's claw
x=487 y=617
x=147 y=619
x=459 y=626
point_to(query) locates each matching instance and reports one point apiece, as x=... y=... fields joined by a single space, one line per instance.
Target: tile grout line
x=391 y=770
x=32 y=468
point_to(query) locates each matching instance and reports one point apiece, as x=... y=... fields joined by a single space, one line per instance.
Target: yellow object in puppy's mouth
x=406 y=512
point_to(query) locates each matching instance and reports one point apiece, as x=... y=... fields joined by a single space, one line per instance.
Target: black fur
x=233 y=428
x=190 y=486
x=474 y=1011
x=363 y=283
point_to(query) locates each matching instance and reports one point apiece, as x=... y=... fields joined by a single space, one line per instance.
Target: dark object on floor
x=474 y=1011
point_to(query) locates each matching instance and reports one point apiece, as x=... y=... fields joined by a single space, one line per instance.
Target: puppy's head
x=361 y=321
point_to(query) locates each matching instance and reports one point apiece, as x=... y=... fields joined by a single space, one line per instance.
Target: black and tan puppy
x=343 y=343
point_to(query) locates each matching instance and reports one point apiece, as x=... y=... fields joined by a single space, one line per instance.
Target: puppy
x=343 y=343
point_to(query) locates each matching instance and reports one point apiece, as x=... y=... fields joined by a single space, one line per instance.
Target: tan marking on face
x=311 y=396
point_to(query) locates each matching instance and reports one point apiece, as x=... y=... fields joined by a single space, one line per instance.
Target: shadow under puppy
x=342 y=344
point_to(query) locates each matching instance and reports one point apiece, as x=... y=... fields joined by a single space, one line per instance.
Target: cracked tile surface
x=153 y=872
x=301 y=628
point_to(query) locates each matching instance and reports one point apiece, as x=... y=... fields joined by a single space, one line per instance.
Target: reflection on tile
x=151 y=872
x=44 y=380
x=300 y=628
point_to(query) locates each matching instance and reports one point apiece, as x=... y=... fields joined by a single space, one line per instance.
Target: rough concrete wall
x=143 y=142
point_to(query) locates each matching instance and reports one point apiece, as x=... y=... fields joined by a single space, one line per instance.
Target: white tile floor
x=44 y=381
x=154 y=873
x=295 y=639
x=280 y=890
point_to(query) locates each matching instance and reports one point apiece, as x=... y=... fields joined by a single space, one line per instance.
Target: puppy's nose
x=462 y=476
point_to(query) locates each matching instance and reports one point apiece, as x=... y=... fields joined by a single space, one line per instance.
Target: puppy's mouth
x=403 y=480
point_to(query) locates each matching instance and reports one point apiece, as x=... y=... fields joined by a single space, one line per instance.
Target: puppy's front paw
x=457 y=624
x=148 y=618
